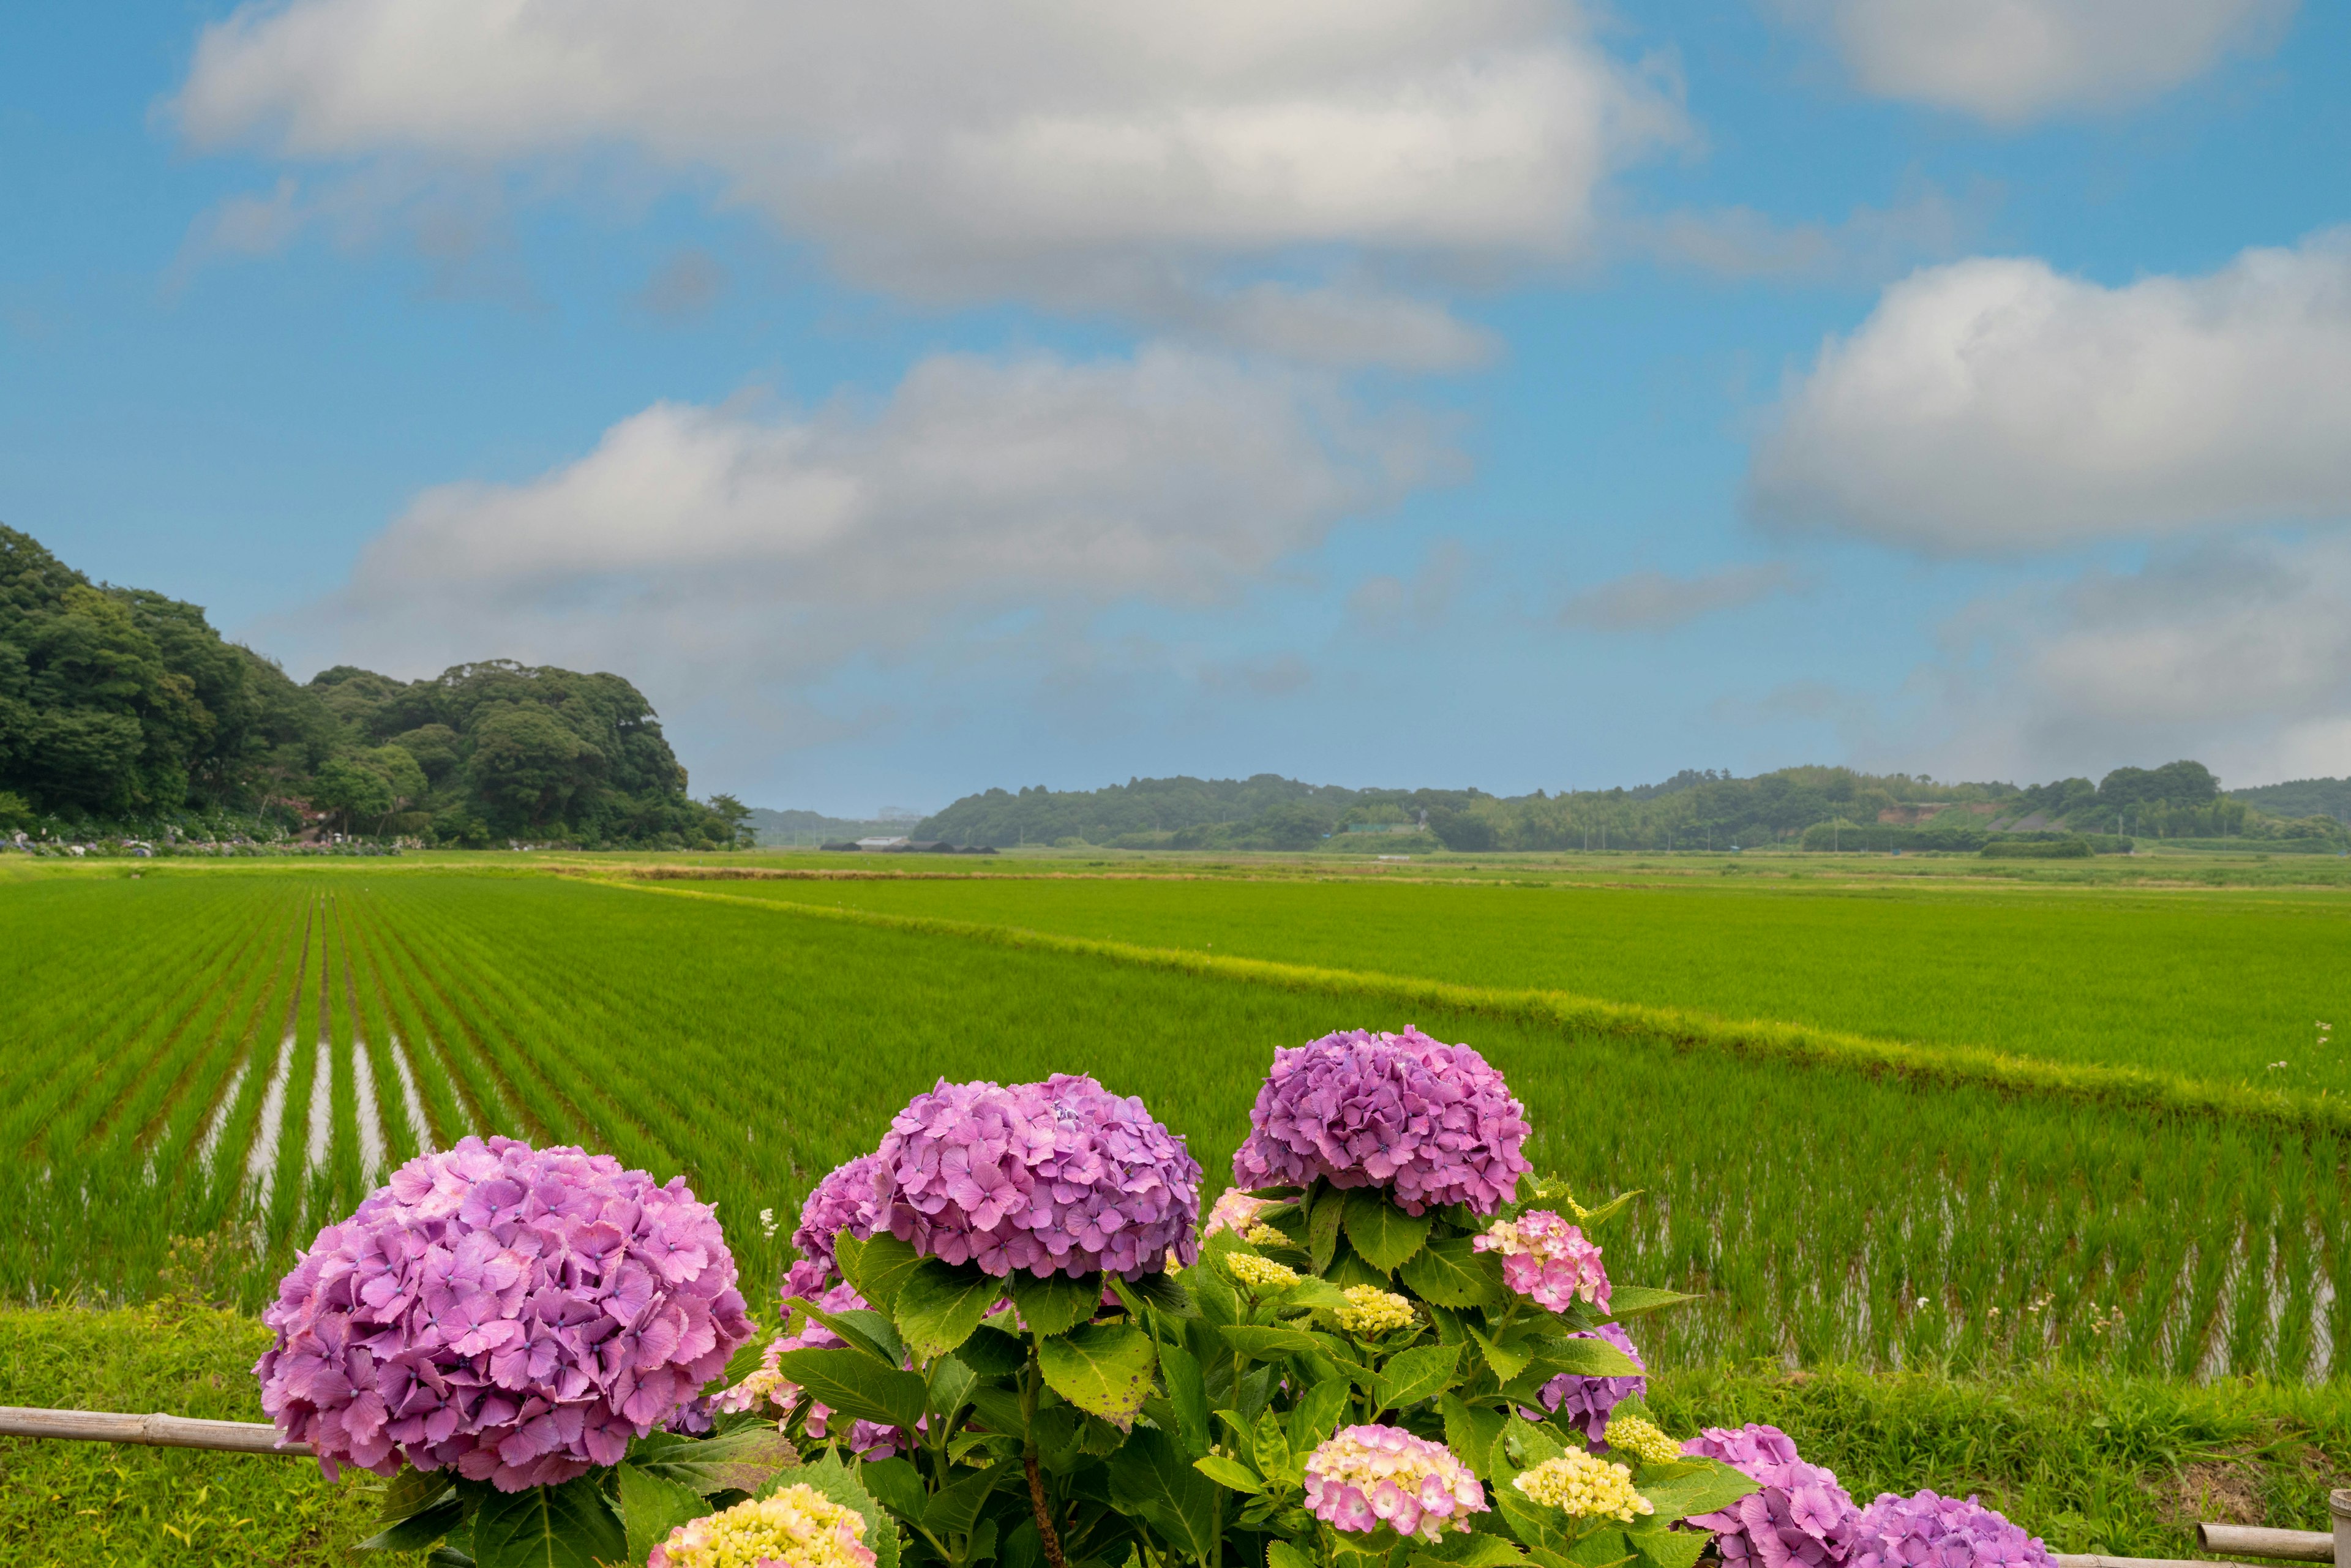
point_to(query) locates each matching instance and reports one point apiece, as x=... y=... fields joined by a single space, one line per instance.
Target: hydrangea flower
x=1547 y=1260
x=1584 y=1487
x=515 y=1313
x=1430 y=1121
x=1235 y=1211
x=1371 y=1311
x=1364 y=1477
x=845 y=1199
x=1588 y=1400
x=1259 y=1273
x=797 y=1527
x=767 y=1385
x=1645 y=1440
x=1931 y=1531
x=1801 y=1516
x=1058 y=1177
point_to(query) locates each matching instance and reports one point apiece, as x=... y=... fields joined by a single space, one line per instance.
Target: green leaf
x=1470 y=1431
x=569 y=1526
x=1322 y=1223
x=951 y=1383
x=1413 y=1376
x=1166 y=1293
x=1347 y=1269
x=1149 y=1480
x=1268 y=1343
x=1472 y=1551
x=1668 y=1547
x=1282 y=1555
x=992 y=1352
x=833 y=1479
x=1528 y=1444
x=1269 y=1447
x=1000 y=1410
x=853 y=1383
x=1316 y=1292
x=1632 y=1300
x=419 y=1507
x=939 y=1304
x=1382 y=1234
x=1188 y=1396
x=1601 y=1548
x=1592 y=1219
x=1587 y=1358
x=651 y=1505
x=896 y=1484
x=1450 y=1273
x=739 y=1461
x=1218 y=1301
x=1316 y=1414
x=1508 y=1361
x=954 y=1508
x=1230 y=1473
x=1056 y=1303
x=1706 y=1486
x=1104 y=1368
x=882 y=1265
x=866 y=1329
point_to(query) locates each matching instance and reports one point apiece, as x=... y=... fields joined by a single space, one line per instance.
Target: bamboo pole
x=156 y=1431
x=2253 y=1541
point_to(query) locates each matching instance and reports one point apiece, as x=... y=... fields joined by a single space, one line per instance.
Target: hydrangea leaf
x=1324 y=1220
x=420 y=1508
x=566 y=1526
x=1269 y=1447
x=954 y=1508
x=1471 y=1551
x=1631 y=1301
x=1149 y=1480
x=1218 y=1301
x=1382 y=1234
x=738 y=1461
x=837 y=1481
x=1267 y=1343
x=1669 y=1548
x=1282 y=1555
x=651 y=1505
x=1470 y=1431
x=1229 y=1473
x=1413 y=1376
x=1587 y=1358
x=1104 y=1368
x=938 y=1306
x=991 y=1352
x=1316 y=1414
x=883 y=1265
x=1449 y=1273
x=1188 y=1398
x=896 y=1485
x=1347 y=1269
x=1508 y=1361
x=861 y=1326
x=1056 y=1303
x=1708 y=1487
x=1601 y=1548
x=1165 y=1291
x=855 y=1384
x=952 y=1381
x=1311 y=1291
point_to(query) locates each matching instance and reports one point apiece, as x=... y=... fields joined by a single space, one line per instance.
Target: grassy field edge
x=1798 y=1043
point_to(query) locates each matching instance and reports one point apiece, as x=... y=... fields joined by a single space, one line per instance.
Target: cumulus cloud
x=1997 y=405
x=2238 y=654
x=2013 y=62
x=742 y=544
x=946 y=151
x=1653 y=602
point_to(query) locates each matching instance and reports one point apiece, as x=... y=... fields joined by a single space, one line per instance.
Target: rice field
x=243 y=1052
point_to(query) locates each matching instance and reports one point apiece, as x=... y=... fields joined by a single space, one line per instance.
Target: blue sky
x=919 y=397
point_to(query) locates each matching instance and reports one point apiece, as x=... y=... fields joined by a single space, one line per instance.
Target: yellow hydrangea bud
x=1584 y=1487
x=1372 y=1311
x=1259 y=1273
x=1644 y=1438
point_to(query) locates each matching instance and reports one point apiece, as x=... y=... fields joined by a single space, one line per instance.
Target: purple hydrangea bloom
x=1429 y=1121
x=1588 y=1400
x=1058 y=1177
x=515 y=1313
x=1801 y=1516
x=1931 y=1531
x=845 y=1199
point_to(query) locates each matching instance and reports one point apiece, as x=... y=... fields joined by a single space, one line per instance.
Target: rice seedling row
x=318 y=1027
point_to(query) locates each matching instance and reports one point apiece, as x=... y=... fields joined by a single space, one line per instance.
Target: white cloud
x=2236 y=655
x=948 y=151
x=2011 y=61
x=745 y=545
x=1653 y=602
x=1997 y=405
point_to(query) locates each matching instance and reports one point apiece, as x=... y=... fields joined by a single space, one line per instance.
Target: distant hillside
x=2301 y=797
x=804 y=828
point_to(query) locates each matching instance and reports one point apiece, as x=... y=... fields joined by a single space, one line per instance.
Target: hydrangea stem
x=1047 y=1535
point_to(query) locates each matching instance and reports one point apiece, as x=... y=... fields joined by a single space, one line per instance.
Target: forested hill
x=2301 y=797
x=1693 y=808
x=122 y=710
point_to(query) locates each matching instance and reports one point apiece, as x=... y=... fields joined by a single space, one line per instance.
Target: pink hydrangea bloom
x=1062 y=1176
x=1235 y=1211
x=1931 y=1531
x=515 y=1313
x=1801 y=1516
x=768 y=1386
x=1430 y=1121
x=1588 y=1400
x=1364 y=1477
x=846 y=1199
x=1548 y=1260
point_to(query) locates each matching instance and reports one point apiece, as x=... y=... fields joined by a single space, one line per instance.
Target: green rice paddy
x=242 y=1053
